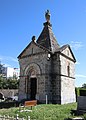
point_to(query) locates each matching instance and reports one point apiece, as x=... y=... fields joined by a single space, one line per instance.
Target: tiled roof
x=47 y=38
x=64 y=47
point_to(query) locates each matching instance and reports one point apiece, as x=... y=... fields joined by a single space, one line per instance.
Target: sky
x=21 y=19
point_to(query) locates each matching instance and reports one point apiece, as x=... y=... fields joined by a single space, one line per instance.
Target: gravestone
x=81 y=103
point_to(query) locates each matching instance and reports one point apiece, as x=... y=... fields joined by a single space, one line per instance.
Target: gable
x=32 y=48
x=66 y=50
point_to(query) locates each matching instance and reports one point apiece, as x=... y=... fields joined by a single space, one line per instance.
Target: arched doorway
x=32 y=73
x=33 y=88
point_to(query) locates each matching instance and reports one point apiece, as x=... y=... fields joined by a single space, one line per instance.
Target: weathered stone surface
x=9 y=92
x=52 y=67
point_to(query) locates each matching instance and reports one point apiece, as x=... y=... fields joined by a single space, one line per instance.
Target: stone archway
x=32 y=69
x=32 y=72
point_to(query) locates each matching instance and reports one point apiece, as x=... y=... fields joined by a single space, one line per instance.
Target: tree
x=10 y=83
x=84 y=85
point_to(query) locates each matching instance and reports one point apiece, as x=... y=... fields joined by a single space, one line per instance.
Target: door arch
x=32 y=72
x=31 y=69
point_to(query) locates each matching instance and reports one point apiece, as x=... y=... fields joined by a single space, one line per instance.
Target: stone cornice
x=51 y=74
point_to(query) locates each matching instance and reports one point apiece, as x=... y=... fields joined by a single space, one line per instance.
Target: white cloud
x=8 y=58
x=0 y=58
x=80 y=76
x=76 y=45
x=12 y=59
x=7 y=65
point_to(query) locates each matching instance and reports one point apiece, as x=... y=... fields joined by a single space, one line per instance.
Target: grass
x=43 y=112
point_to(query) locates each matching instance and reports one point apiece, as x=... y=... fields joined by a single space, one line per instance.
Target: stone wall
x=56 y=79
x=67 y=80
x=55 y=75
x=42 y=66
x=9 y=92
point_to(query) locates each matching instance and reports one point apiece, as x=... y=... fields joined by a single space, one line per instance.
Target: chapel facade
x=46 y=69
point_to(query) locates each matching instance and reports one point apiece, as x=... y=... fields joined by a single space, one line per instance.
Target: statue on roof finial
x=47 y=16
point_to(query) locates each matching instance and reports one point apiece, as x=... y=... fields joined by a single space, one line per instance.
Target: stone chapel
x=46 y=69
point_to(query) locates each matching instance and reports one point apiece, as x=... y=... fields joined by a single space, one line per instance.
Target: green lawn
x=43 y=112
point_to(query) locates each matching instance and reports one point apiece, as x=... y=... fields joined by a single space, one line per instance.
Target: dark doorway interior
x=33 y=88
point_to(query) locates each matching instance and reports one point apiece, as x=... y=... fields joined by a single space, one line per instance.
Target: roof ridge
x=47 y=38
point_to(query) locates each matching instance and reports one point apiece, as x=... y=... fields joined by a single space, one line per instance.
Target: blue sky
x=21 y=19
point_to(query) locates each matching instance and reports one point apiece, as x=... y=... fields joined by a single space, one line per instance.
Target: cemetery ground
x=44 y=112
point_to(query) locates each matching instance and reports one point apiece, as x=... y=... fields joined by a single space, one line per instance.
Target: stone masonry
x=47 y=69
